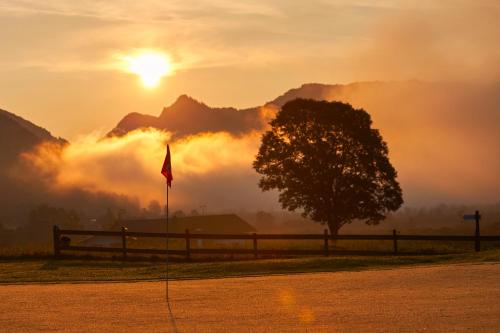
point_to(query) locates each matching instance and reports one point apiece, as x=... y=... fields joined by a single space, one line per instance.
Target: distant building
x=203 y=224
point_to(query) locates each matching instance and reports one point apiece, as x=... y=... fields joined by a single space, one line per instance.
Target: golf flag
x=166 y=170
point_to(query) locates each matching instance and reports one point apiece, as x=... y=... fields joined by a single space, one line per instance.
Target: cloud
x=443 y=151
x=357 y=40
x=445 y=40
x=213 y=169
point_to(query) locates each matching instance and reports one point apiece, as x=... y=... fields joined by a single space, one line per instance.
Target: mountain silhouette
x=188 y=116
x=22 y=189
x=18 y=135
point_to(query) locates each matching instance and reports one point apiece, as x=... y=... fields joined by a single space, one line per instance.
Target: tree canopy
x=326 y=160
x=45 y=216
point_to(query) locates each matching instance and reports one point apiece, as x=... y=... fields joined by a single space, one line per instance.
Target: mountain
x=315 y=91
x=18 y=135
x=189 y=116
x=23 y=187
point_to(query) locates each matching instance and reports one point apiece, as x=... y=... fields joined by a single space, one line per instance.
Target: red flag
x=166 y=170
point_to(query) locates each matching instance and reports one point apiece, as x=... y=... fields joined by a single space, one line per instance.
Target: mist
x=432 y=41
x=442 y=137
x=210 y=169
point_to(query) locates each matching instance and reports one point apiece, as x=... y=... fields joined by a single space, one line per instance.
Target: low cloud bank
x=211 y=169
x=443 y=140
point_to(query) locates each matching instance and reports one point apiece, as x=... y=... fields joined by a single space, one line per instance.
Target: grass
x=29 y=270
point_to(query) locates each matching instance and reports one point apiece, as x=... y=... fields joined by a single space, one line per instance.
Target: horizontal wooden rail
x=62 y=243
x=119 y=250
x=277 y=236
x=192 y=251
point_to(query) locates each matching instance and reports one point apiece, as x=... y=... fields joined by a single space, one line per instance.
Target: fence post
x=255 y=254
x=395 y=241
x=477 y=243
x=124 y=243
x=56 y=236
x=188 y=245
x=326 y=242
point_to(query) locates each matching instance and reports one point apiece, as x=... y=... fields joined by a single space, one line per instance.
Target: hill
x=18 y=135
x=21 y=190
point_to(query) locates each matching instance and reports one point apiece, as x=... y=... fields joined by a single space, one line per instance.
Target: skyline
x=63 y=55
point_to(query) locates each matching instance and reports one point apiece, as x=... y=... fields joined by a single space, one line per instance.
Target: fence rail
x=60 y=244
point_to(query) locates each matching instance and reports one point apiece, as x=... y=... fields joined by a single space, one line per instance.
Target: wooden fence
x=61 y=244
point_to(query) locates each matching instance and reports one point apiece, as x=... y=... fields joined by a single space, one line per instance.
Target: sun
x=150 y=66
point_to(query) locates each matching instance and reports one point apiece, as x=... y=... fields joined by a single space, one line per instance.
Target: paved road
x=456 y=298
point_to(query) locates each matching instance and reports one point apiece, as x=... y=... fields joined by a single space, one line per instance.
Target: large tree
x=326 y=160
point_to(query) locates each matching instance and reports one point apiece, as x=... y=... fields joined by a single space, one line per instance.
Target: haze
x=59 y=63
x=428 y=71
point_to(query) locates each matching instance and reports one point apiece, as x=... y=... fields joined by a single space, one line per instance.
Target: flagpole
x=167 y=248
x=166 y=170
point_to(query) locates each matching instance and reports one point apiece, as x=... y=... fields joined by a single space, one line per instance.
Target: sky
x=61 y=62
x=77 y=68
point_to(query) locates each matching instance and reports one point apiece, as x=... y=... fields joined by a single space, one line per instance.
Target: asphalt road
x=453 y=298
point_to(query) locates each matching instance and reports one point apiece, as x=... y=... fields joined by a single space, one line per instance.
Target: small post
x=395 y=241
x=477 y=244
x=56 y=236
x=325 y=233
x=188 y=245
x=255 y=253
x=124 y=243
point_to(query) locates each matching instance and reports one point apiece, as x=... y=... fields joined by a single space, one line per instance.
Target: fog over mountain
x=189 y=116
x=443 y=140
x=18 y=134
x=442 y=136
x=23 y=186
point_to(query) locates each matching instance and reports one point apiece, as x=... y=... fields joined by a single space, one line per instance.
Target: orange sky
x=59 y=66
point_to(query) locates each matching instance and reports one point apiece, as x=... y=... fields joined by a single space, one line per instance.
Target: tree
x=108 y=219
x=44 y=217
x=326 y=160
x=154 y=208
x=179 y=213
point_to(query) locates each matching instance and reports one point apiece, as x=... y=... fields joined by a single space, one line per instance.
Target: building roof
x=204 y=224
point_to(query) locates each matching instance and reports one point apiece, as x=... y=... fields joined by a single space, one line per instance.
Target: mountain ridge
x=18 y=134
x=188 y=115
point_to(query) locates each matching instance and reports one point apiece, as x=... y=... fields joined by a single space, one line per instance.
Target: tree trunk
x=334 y=227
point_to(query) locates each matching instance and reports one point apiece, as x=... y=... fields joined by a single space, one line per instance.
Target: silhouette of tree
x=326 y=160
x=45 y=216
x=179 y=213
x=154 y=208
x=108 y=219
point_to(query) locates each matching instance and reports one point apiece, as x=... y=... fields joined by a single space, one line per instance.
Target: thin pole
x=167 y=248
x=477 y=217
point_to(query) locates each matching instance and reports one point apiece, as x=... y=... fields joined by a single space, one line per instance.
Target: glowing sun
x=149 y=66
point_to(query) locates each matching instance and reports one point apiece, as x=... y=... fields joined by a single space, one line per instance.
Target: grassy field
x=77 y=270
